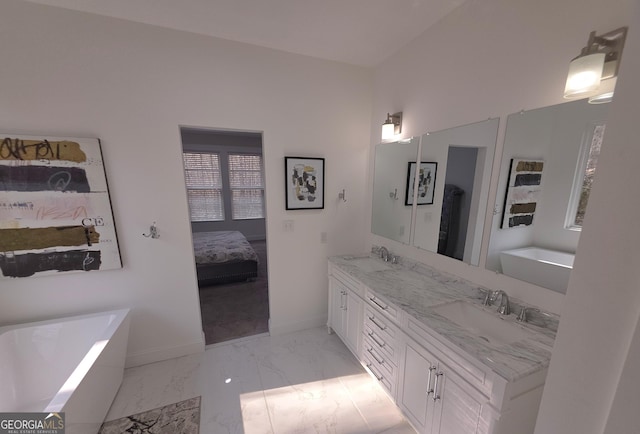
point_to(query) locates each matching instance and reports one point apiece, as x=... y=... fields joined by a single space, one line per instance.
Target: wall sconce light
x=392 y=126
x=594 y=72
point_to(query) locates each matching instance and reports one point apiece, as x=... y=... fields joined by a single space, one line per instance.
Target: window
x=246 y=185
x=219 y=181
x=584 y=177
x=204 y=186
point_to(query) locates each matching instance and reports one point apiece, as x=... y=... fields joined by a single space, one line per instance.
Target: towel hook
x=342 y=195
x=153 y=232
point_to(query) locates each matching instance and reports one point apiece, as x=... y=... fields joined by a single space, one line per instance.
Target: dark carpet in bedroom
x=239 y=309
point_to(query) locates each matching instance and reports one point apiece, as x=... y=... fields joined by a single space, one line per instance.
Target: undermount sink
x=369 y=265
x=488 y=326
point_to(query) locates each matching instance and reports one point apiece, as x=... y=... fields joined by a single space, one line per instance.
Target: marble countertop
x=417 y=289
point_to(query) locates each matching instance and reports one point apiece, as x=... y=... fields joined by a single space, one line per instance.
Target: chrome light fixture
x=594 y=72
x=392 y=126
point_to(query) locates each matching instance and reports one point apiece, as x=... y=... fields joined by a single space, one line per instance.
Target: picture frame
x=304 y=183
x=55 y=209
x=524 y=187
x=426 y=182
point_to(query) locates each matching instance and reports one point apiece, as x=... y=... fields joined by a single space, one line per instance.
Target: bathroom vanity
x=451 y=364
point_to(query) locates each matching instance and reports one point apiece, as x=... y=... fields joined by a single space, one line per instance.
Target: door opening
x=457 y=201
x=224 y=174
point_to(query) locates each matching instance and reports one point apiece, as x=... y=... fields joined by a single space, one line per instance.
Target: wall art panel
x=55 y=211
x=523 y=191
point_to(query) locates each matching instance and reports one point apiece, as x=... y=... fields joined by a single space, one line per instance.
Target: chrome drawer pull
x=370 y=351
x=429 y=389
x=380 y=344
x=378 y=304
x=435 y=387
x=380 y=378
x=373 y=320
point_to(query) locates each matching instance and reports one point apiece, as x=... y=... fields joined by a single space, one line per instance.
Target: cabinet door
x=418 y=375
x=457 y=405
x=354 y=308
x=337 y=306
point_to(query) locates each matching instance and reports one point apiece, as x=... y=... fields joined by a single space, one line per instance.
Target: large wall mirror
x=547 y=167
x=447 y=184
x=390 y=215
x=452 y=224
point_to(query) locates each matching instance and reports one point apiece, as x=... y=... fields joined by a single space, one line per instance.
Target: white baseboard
x=281 y=329
x=164 y=353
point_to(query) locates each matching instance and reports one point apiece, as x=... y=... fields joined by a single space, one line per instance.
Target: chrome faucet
x=523 y=317
x=384 y=253
x=504 y=308
x=491 y=297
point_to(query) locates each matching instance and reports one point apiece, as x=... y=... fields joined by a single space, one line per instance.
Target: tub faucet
x=384 y=254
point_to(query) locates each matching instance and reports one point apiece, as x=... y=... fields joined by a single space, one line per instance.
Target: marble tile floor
x=302 y=382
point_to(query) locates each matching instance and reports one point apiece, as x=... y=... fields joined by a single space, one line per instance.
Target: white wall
x=66 y=73
x=487 y=58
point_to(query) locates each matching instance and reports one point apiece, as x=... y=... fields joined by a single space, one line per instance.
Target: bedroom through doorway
x=224 y=174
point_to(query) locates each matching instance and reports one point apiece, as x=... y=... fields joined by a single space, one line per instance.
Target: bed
x=223 y=257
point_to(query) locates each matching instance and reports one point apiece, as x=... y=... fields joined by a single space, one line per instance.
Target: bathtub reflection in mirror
x=545 y=203
x=390 y=217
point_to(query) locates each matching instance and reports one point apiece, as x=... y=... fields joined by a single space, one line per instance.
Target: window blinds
x=204 y=186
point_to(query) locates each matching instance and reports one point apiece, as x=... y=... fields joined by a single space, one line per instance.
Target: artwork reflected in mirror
x=537 y=244
x=390 y=217
x=426 y=183
x=523 y=192
x=453 y=224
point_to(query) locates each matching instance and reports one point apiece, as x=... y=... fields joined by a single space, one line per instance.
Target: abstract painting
x=523 y=191
x=55 y=211
x=304 y=183
x=426 y=183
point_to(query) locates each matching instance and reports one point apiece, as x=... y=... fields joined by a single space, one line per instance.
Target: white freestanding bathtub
x=72 y=365
x=542 y=267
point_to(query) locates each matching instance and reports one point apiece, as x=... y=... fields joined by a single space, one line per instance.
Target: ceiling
x=359 y=32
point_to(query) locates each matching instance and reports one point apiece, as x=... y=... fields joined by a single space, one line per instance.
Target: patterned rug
x=179 y=418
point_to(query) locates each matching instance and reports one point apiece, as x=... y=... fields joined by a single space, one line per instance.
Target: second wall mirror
x=453 y=223
x=548 y=163
x=390 y=216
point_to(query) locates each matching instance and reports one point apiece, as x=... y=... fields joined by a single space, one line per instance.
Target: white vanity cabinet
x=345 y=309
x=445 y=383
x=435 y=399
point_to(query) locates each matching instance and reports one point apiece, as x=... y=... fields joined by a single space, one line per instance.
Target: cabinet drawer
x=380 y=323
x=386 y=380
x=382 y=306
x=382 y=342
x=373 y=352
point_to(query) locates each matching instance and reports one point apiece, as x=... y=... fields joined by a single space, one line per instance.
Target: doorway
x=457 y=201
x=224 y=174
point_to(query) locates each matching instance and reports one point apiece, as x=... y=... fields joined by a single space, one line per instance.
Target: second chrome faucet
x=492 y=296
